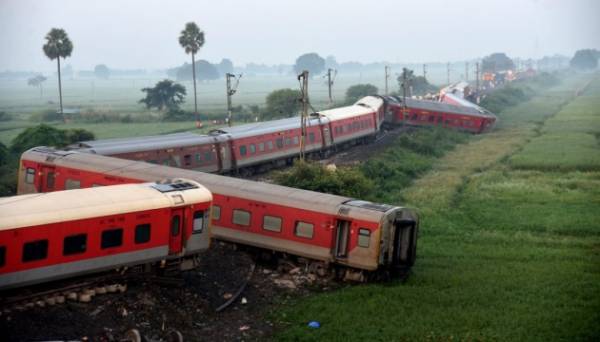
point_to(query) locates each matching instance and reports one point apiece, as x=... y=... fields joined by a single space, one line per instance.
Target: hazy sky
x=143 y=33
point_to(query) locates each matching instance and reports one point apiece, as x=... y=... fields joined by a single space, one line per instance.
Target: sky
x=130 y=34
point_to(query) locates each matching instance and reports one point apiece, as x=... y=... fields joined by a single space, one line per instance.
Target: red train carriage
x=249 y=147
x=44 y=237
x=430 y=113
x=327 y=228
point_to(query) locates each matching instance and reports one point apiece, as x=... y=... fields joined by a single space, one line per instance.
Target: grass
x=504 y=253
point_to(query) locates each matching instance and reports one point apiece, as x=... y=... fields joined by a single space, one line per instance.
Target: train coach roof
x=442 y=107
x=145 y=143
x=69 y=205
x=263 y=127
x=365 y=105
x=218 y=185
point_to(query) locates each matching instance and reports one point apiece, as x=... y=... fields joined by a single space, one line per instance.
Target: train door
x=176 y=226
x=342 y=238
x=404 y=243
x=47 y=178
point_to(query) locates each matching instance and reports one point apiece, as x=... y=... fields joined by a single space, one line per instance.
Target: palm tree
x=192 y=39
x=58 y=45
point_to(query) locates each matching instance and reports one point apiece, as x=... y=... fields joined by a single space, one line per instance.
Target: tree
x=205 y=71
x=331 y=62
x=58 y=45
x=102 y=71
x=357 y=91
x=226 y=66
x=586 y=59
x=37 y=82
x=192 y=39
x=416 y=85
x=45 y=135
x=311 y=62
x=497 y=62
x=282 y=103
x=165 y=94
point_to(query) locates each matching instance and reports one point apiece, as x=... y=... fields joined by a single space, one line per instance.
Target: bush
x=44 y=135
x=4 y=116
x=48 y=115
x=506 y=97
x=315 y=177
x=357 y=91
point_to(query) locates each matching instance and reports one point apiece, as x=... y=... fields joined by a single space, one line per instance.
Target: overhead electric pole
x=477 y=77
x=303 y=78
x=448 y=72
x=387 y=77
x=467 y=71
x=425 y=71
x=330 y=81
x=230 y=92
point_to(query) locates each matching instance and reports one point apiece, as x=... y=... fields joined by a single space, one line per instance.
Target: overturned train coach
x=465 y=117
x=332 y=231
x=64 y=234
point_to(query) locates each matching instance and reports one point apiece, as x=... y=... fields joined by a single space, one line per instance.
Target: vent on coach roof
x=168 y=187
x=368 y=205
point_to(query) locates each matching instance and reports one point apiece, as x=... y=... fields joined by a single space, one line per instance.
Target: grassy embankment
x=510 y=238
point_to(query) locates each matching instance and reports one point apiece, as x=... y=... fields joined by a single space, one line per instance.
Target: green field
x=504 y=253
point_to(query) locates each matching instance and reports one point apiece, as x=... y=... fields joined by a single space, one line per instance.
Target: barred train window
x=112 y=238
x=364 y=237
x=35 y=250
x=243 y=150
x=241 y=217
x=69 y=183
x=272 y=223
x=142 y=233
x=29 y=175
x=304 y=229
x=2 y=256
x=216 y=212
x=198 y=224
x=75 y=244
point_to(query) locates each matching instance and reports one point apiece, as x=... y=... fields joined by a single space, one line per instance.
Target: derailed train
x=253 y=147
x=351 y=236
x=64 y=234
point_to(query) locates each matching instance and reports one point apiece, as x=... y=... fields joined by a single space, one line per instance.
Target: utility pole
x=448 y=72
x=425 y=71
x=303 y=78
x=467 y=71
x=477 y=77
x=330 y=83
x=230 y=92
x=387 y=76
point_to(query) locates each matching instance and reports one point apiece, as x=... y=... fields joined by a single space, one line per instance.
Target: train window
x=198 y=225
x=279 y=142
x=252 y=148
x=364 y=237
x=288 y=141
x=50 y=180
x=296 y=140
x=112 y=238
x=187 y=160
x=29 y=175
x=270 y=145
x=74 y=244
x=35 y=250
x=2 y=256
x=304 y=229
x=198 y=158
x=311 y=137
x=152 y=162
x=165 y=162
x=272 y=223
x=241 y=217
x=243 y=150
x=72 y=184
x=261 y=146
x=216 y=212
x=175 y=225
x=177 y=160
x=208 y=156
x=142 y=233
